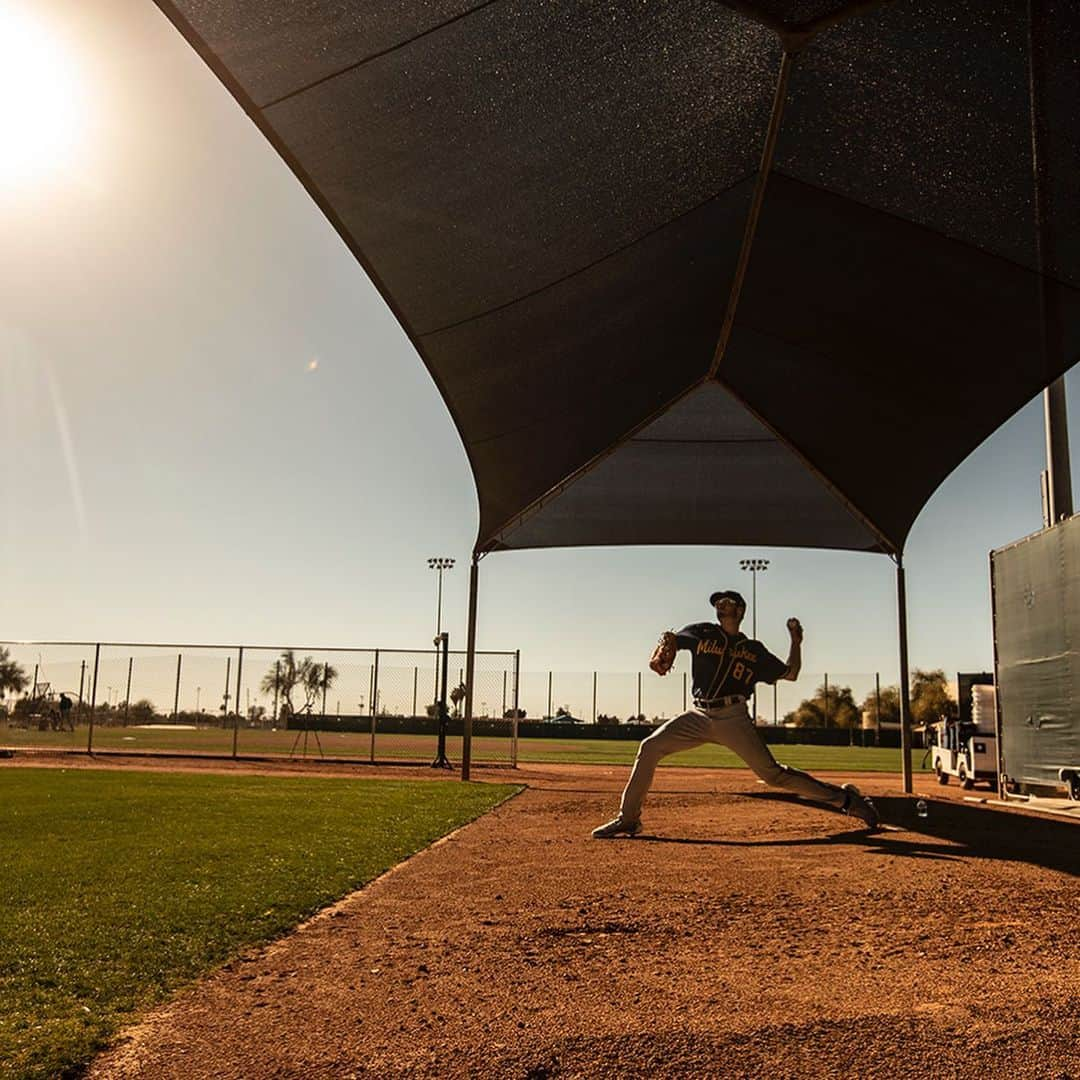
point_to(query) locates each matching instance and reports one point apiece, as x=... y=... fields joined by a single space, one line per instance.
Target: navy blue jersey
x=725 y=664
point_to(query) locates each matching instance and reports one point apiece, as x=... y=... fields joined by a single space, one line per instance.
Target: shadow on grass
x=951 y=831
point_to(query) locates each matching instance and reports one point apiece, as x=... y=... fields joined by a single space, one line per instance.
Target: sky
x=215 y=431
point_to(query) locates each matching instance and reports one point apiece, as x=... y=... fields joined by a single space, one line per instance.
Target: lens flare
x=42 y=113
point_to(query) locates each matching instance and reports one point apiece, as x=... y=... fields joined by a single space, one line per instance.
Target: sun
x=42 y=115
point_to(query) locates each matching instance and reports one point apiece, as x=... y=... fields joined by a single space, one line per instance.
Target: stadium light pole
x=439 y=564
x=754 y=566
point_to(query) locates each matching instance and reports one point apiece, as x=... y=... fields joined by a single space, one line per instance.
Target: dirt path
x=749 y=936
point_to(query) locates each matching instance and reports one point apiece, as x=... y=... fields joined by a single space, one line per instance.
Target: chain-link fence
x=815 y=700
x=373 y=705
x=377 y=705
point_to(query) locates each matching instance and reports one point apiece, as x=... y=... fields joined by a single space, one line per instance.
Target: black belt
x=720 y=702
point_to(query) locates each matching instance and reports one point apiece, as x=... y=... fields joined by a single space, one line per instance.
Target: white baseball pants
x=732 y=727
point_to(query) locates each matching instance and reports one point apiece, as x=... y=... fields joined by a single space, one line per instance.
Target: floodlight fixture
x=439 y=564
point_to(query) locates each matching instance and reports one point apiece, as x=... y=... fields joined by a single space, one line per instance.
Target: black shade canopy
x=639 y=338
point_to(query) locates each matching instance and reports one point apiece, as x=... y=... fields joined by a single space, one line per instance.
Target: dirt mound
x=744 y=935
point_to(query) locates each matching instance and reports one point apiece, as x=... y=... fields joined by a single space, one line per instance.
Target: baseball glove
x=663 y=656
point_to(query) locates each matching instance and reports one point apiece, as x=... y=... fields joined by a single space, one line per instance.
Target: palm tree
x=317 y=679
x=13 y=679
x=288 y=673
x=281 y=680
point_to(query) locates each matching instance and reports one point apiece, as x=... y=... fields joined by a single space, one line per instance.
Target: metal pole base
x=442 y=762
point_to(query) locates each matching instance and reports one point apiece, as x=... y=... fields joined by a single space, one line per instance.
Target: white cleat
x=859 y=806
x=617 y=827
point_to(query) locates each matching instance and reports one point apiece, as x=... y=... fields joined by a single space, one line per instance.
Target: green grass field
x=391 y=747
x=117 y=888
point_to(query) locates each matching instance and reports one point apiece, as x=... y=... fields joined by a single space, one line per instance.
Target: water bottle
x=921 y=809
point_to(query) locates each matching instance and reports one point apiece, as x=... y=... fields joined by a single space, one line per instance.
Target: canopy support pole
x=1059 y=503
x=758 y=199
x=470 y=668
x=905 y=682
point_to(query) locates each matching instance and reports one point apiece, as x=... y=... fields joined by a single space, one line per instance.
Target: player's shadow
x=879 y=842
x=951 y=831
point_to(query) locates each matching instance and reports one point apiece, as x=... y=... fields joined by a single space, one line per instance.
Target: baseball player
x=726 y=665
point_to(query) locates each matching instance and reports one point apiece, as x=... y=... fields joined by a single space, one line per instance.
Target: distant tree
x=562 y=710
x=13 y=680
x=514 y=714
x=837 y=709
x=432 y=710
x=457 y=698
x=930 y=698
x=141 y=712
x=27 y=706
x=607 y=721
x=890 y=704
x=843 y=712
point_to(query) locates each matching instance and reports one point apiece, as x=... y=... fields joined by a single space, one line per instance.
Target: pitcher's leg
x=739 y=735
x=683 y=733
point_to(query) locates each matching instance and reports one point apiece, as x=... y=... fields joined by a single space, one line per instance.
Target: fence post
x=236 y=701
x=82 y=680
x=877 y=708
x=594 y=697
x=375 y=685
x=127 y=695
x=826 y=699
x=514 y=726
x=33 y=691
x=277 y=683
x=435 y=689
x=549 y=714
x=176 y=698
x=684 y=691
x=93 y=700
x=517 y=677
x=774 y=713
x=503 y=713
x=415 y=680
x=639 y=712
x=371 y=704
x=325 y=679
x=225 y=695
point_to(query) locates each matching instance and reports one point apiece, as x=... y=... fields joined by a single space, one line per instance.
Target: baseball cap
x=727 y=594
